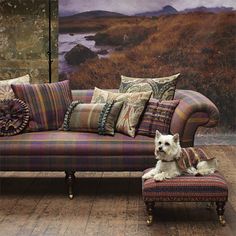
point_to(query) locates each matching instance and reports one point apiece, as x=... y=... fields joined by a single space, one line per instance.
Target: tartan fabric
x=194 y=110
x=191 y=157
x=60 y=150
x=186 y=188
x=47 y=103
x=157 y=116
x=99 y=118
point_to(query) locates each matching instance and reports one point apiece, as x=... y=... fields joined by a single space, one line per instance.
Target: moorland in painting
x=98 y=43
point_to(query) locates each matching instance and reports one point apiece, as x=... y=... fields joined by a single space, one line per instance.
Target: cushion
x=157 y=116
x=5 y=86
x=134 y=104
x=99 y=118
x=14 y=116
x=84 y=151
x=186 y=188
x=48 y=103
x=162 y=88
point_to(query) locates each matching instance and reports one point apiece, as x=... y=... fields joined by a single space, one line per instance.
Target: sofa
x=80 y=151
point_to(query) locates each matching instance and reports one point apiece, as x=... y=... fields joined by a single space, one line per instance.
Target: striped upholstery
x=194 y=110
x=98 y=118
x=62 y=150
x=47 y=103
x=157 y=116
x=186 y=188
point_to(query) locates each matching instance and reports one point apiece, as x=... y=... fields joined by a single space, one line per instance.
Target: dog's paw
x=206 y=171
x=146 y=176
x=159 y=177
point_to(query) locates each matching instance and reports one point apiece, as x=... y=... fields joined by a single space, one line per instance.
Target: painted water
x=68 y=41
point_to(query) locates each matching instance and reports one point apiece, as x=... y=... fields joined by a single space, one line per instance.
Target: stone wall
x=24 y=39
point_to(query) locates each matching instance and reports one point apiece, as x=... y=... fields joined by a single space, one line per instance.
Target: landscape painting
x=100 y=40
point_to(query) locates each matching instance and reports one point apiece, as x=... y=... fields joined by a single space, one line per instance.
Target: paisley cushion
x=162 y=88
x=14 y=116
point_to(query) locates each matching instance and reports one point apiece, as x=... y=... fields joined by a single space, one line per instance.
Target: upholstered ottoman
x=210 y=188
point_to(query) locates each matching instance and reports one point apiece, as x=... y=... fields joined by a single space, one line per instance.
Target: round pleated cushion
x=186 y=188
x=14 y=116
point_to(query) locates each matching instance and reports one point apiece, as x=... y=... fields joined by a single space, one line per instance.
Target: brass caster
x=149 y=220
x=222 y=220
x=71 y=196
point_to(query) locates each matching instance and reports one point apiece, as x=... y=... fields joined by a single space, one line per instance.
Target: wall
x=24 y=39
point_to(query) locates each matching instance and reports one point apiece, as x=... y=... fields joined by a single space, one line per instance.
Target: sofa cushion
x=133 y=107
x=162 y=88
x=99 y=118
x=60 y=150
x=157 y=116
x=47 y=103
x=5 y=86
x=14 y=116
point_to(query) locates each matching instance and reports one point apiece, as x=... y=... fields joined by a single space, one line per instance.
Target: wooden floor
x=106 y=204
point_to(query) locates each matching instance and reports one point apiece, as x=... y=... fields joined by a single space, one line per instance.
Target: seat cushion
x=186 y=188
x=60 y=150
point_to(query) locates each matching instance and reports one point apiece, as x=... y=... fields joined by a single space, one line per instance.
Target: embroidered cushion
x=5 y=86
x=134 y=104
x=48 y=103
x=157 y=116
x=14 y=116
x=162 y=88
x=98 y=118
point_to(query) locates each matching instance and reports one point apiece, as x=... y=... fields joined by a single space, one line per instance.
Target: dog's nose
x=160 y=148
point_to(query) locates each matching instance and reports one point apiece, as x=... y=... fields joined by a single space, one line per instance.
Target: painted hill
x=167 y=10
x=209 y=9
x=92 y=14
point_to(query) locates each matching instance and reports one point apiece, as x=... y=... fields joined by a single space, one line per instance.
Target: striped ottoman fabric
x=186 y=188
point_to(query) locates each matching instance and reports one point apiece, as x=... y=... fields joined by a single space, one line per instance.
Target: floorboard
x=36 y=203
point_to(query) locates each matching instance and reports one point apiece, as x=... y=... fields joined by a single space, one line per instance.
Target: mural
x=100 y=40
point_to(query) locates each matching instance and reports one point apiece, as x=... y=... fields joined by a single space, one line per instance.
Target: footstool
x=211 y=188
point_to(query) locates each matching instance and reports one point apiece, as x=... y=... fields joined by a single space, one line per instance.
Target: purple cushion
x=48 y=103
x=14 y=116
x=157 y=116
x=60 y=150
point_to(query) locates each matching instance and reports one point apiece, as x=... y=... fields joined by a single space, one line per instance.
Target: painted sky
x=130 y=7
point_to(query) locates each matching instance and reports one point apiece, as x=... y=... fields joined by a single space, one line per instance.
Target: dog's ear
x=176 y=138
x=158 y=134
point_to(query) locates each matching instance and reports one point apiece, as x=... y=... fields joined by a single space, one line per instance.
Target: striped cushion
x=157 y=116
x=47 y=103
x=99 y=118
x=186 y=188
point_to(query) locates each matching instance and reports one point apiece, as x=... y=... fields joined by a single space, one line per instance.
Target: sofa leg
x=150 y=209
x=70 y=179
x=220 y=212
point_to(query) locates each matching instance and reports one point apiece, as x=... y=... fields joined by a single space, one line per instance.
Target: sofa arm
x=194 y=110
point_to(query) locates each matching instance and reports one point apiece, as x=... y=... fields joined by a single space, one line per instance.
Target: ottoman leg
x=150 y=208
x=220 y=212
x=70 y=179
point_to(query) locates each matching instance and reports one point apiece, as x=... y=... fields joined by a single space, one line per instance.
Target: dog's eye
x=167 y=144
x=159 y=142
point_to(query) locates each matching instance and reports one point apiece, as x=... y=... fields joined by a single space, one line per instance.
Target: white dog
x=174 y=161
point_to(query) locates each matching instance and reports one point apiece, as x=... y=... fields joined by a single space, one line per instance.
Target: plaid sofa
x=79 y=151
